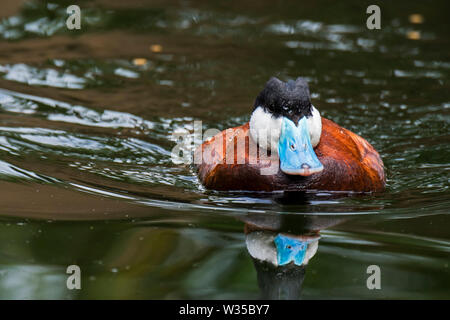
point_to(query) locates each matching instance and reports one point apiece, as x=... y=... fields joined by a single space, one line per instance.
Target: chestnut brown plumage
x=350 y=164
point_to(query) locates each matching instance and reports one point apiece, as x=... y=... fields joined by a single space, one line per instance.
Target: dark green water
x=86 y=176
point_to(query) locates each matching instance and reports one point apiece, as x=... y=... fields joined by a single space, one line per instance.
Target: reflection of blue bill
x=290 y=249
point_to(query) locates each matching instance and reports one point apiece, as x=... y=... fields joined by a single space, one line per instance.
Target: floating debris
x=413 y=35
x=156 y=48
x=416 y=18
x=139 y=61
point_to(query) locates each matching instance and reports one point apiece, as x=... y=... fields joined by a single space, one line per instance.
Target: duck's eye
x=292 y=146
x=288 y=246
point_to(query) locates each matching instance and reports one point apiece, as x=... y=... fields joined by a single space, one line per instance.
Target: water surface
x=86 y=124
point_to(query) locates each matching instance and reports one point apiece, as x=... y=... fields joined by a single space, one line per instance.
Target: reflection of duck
x=288 y=127
x=280 y=261
x=280 y=249
x=280 y=255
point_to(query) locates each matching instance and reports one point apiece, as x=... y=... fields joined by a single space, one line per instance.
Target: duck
x=288 y=146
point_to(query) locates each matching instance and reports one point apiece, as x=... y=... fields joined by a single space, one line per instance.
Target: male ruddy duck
x=287 y=145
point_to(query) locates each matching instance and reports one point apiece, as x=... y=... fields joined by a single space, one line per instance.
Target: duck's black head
x=289 y=99
x=284 y=121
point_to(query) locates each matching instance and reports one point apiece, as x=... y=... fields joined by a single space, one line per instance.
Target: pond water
x=86 y=123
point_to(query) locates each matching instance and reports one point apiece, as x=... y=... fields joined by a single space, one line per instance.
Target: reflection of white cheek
x=260 y=245
x=315 y=127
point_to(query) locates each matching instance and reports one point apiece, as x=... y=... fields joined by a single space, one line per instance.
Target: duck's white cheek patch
x=265 y=129
x=315 y=127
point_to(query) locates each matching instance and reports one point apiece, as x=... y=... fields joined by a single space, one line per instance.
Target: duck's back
x=350 y=163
